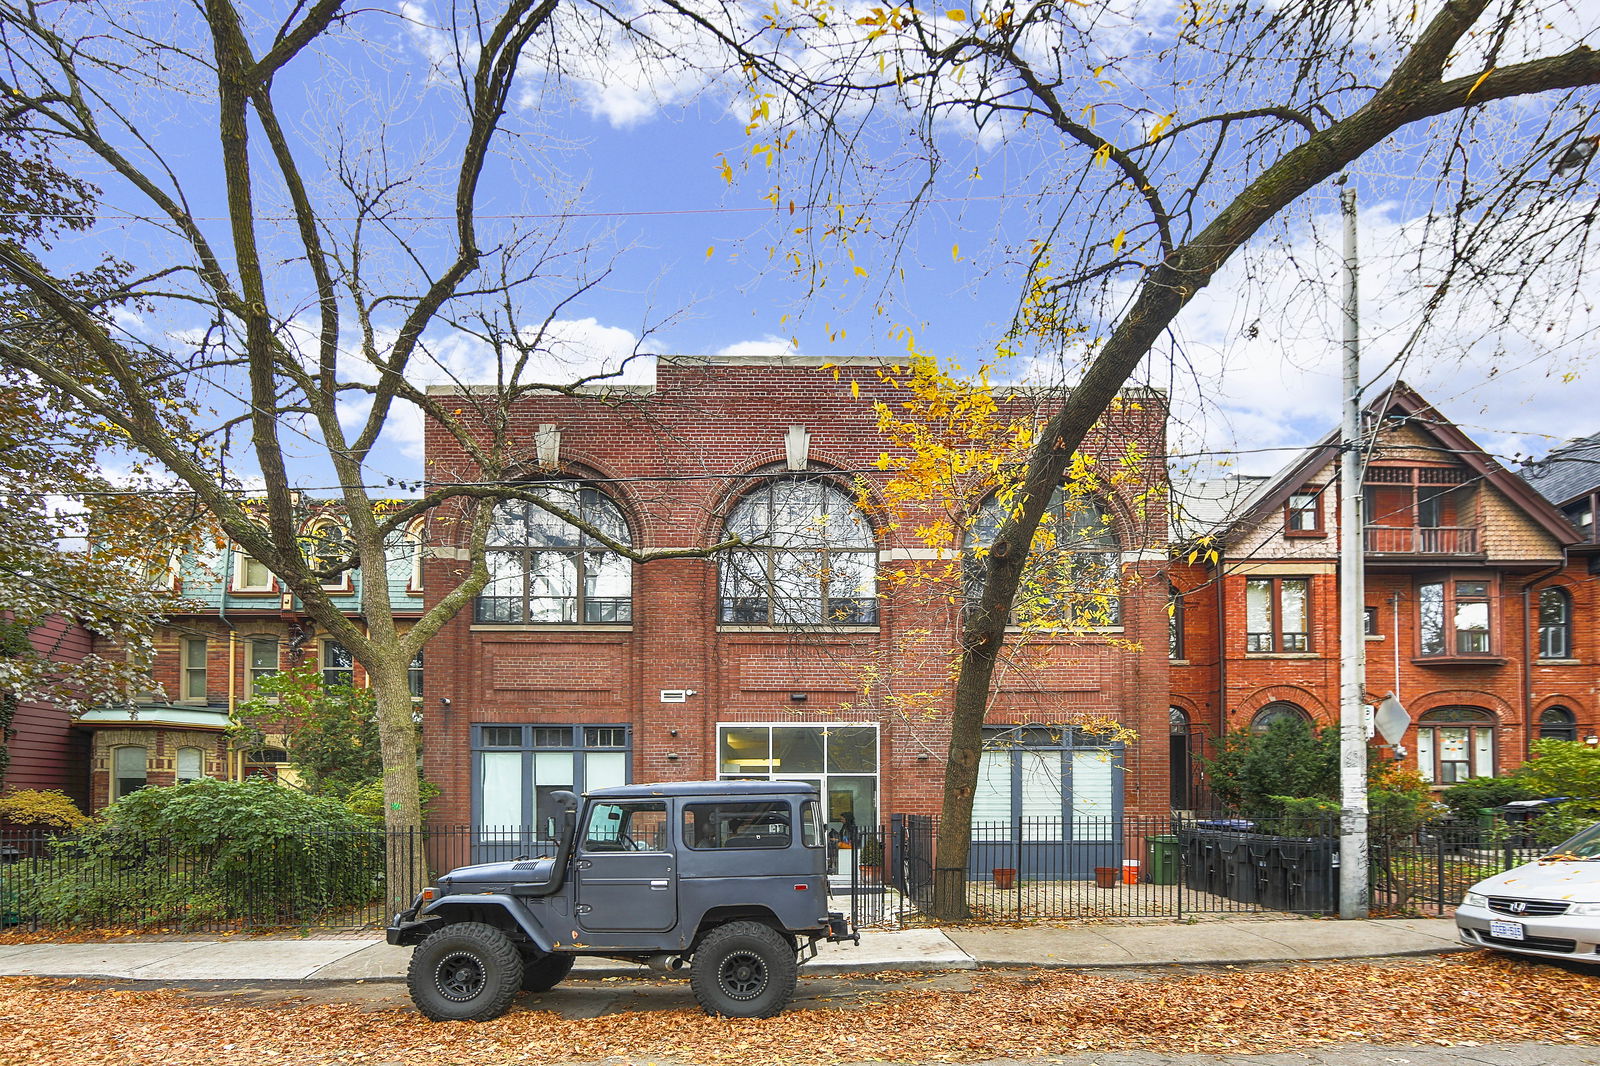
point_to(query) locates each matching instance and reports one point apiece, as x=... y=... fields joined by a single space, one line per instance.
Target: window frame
x=1277 y=638
x=1555 y=637
x=1019 y=751
x=1108 y=553
x=1474 y=720
x=332 y=672
x=1566 y=729
x=523 y=563
x=242 y=560
x=254 y=674
x=189 y=673
x=118 y=791
x=527 y=742
x=177 y=764
x=778 y=564
x=1451 y=600
x=1268 y=713
x=318 y=548
x=1293 y=511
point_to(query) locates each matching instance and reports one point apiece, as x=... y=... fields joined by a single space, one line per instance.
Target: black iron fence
x=1029 y=868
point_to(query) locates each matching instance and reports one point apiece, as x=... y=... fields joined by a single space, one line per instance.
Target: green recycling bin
x=1161 y=859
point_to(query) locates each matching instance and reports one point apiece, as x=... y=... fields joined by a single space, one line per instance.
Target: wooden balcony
x=1422 y=540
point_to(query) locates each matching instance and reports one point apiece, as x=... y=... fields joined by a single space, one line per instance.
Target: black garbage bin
x=1518 y=813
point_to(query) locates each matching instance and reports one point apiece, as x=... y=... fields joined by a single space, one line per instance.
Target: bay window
x=1453 y=617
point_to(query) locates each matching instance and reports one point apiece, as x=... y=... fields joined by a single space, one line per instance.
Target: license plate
x=1506 y=930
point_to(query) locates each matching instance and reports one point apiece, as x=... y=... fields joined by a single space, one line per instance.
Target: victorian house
x=1473 y=584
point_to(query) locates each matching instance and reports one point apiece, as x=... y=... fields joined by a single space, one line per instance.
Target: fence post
x=1016 y=863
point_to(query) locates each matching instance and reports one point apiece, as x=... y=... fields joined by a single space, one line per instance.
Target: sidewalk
x=908 y=949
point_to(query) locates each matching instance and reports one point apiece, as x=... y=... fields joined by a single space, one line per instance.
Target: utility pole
x=1352 y=600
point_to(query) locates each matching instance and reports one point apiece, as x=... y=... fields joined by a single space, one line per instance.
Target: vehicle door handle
x=659 y=886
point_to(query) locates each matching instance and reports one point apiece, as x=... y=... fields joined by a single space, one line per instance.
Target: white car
x=1548 y=907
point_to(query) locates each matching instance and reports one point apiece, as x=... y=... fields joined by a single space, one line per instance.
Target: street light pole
x=1352 y=600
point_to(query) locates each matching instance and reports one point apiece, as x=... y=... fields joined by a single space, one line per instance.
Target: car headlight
x=1475 y=899
x=1585 y=910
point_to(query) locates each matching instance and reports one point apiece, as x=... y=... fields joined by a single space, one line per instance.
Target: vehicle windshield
x=1586 y=845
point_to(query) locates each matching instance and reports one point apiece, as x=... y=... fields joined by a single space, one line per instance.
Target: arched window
x=543 y=569
x=1074 y=569
x=1558 y=723
x=1555 y=624
x=815 y=560
x=1180 y=760
x=1278 y=711
x=326 y=545
x=130 y=770
x=1454 y=744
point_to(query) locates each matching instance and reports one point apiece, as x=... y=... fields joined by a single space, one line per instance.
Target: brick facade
x=675 y=460
x=1487 y=530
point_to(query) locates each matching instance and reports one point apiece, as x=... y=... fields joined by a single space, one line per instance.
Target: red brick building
x=1474 y=587
x=804 y=660
x=241 y=626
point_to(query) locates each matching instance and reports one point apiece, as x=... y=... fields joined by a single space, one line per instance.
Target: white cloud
x=1260 y=348
x=766 y=346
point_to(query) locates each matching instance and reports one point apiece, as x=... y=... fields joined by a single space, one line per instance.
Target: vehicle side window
x=626 y=827
x=737 y=825
x=811 y=834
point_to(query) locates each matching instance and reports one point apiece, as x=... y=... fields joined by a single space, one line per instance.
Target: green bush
x=1287 y=781
x=207 y=851
x=40 y=809
x=1562 y=768
x=1254 y=772
x=1469 y=797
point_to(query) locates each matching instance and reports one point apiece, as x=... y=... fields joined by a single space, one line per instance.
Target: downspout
x=1394 y=633
x=1527 y=652
x=233 y=641
x=1222 y=649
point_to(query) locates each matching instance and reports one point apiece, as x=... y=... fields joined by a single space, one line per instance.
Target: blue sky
x=633 y=158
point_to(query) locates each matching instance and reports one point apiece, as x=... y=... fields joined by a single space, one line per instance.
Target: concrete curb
x=965 y=948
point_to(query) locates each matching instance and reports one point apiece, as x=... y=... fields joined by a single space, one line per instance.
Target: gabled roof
x=1568 y=472
x=1401 y=400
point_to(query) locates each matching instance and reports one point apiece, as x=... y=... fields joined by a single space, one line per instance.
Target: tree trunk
x=407 y=861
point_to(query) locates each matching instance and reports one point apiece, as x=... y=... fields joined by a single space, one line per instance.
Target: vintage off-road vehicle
x=728 y=876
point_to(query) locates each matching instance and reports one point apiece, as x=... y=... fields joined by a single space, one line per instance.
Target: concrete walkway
x=908 y=949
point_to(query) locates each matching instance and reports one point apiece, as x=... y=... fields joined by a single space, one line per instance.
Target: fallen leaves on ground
x=1461 y=999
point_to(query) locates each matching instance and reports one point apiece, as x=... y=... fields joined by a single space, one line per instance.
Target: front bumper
x=1555 y=937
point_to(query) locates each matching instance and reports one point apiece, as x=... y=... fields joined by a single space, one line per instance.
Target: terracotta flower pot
x=1005 y=877
x=1107 y=876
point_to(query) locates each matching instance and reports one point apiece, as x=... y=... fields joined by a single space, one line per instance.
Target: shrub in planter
x=871 y=852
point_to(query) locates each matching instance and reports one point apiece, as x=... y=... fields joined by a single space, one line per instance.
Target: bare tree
x=1153 y=152
x=303 y=296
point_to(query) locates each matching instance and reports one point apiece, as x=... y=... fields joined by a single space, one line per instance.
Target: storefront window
x=517 y=768
x=841 y=760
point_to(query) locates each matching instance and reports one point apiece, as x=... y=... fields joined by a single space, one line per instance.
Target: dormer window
x=250 y=575
x=1302 y=514
x=327 y=546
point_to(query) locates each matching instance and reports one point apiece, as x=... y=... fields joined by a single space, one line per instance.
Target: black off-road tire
x=467 y=972
x=541 y=973
x=743 y=970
